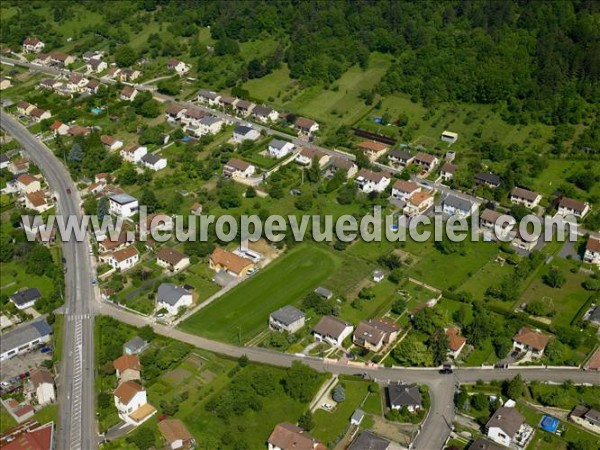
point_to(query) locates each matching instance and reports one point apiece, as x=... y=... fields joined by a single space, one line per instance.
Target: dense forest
x=542 y=59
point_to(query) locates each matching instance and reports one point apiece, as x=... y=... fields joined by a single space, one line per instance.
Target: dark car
x=68 y=190
x=446 y=369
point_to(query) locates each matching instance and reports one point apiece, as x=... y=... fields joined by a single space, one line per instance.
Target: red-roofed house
x=27 y=183
x=286 y=436
x=592 y=251
x=128 y=93
x=29 y=436
x=33 y=45
x=456 y=342
x=528 y=340
x=59 y=128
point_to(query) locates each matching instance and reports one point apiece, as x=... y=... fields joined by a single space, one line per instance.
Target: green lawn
x=15 y=278
x=558 y=171
x=241 y=313
x=485 y=277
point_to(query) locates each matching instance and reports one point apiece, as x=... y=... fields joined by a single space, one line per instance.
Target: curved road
x=77 y=419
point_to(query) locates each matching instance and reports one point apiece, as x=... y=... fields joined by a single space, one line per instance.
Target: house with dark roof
x=586 y=417
x=171 y=259
x=484 y=444
x=570 y=207
x=488 y=179
x=448 y=170
x=288 y=319
x=25 y=337
x=525 y=197
x=367 y=440
x=265 y=114
x=403 y=396
x=306 y=126
x=279 y=148
x=243 y=133
x=206 y=96
x=426 y=161
x=374 y=334
x=238 y=168
x=244 y=107
x=154 y=162
x=453 y=205
x=369 y=181
x=333 y=330
x=507 y=427
x=172 y=298
x=345 y=164
x=400 y=157
x=135 y=346
x=25 y=298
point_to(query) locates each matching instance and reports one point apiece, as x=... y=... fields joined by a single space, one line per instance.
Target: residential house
x=122 y=259
x=172 y=259
x=96 y=65
x=495 y=224
x=332 y=330
x=29 y=436
x=402 y=396
x=520 y=196
x=61 y=59
x=5 y=83
x=588 y=418
x=507 y=427
x=172 y=298
x=42 y=386
x=449 y=136
x=4 y=161
x=191 y=117
x=488 y=179
x=528 y=340
x=209 y=125
x=279 y=149
x=524 y=241
x=128 y=74
x=92 y=87
x=418 y=203
x=374 y=334
x=33 y=45
x=265 y=114
x=400 y=158
x=457 y=206
x=128 y=368
x=110 y=143
x=25 y=337
x=132 y=404
x=88 y=56
x=223 y=260
x=196 y=209
x=175 y=112
x=24 y=107
x=176 y=435
x=288 y=319
x=133 y=153
x=405 y=189
x=123 y=205
x=238 y=168
x=59 y=128
x=20 y=412
x=594 y=362
x=306 y=156
x=154 y=162
x=347 y=165
x=378 y=276
x=42 y=59
x=110 y=245
x=210 y=97
x=373 y=149
x=369 y=181
x=244 y=107
x=448 y=171
x=286 y=436
x=49 y=84
x=484 y=444
x=37 y=201
x=76 y=130
x=306 y=126
x=18 y=166
x=179 y=67
x=456 y=342
x=592 y=251
x=369 y=440
x=76 y=82
x=226 y=101
x=39 y=114
x=135 y=346
x=426 y=161
x=243 y=133
x=568 y=206
x=27 y=183
x=128 y=93
x=25 y=298
x=323 y=292
x=357 y=417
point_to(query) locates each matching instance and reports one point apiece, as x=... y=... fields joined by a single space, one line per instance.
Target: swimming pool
x=96 y=110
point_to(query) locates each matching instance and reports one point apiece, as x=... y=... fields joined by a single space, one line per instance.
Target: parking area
x=22 y=363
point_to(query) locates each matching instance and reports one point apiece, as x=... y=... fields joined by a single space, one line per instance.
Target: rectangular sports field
x=241 y=313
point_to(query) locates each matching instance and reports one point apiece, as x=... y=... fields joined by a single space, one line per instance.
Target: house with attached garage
x=244 y=107
x=306 y=156
x=191 y=117
x=209 y=97
x=405 y=189
x=33 y=45
x=495 y=224
x=24 y=338
x=488 y=179
x=306 y=126
x=265 y=114
x=418 y=203
x=568 y=206
x=172 y=298
x=110 y=143
x=96 y=65
x=27 y=183
x=128 y=93
x=61 y=59
x=123 y=259
x=528 y=340
x=123 y=205
x=227 y=101
x=400 y=158
x=448 y=171
x=128 y=368
x=172 y=259
x=507 y=427
x=369 y=181
x=402 y=396
x=41 y=386
x=457 y=206
x=520 y=196
x=39 y=114
x=176 y=435
x=288 y=319
x=592 y=251
x=132 y=403
x=25 y=298
x=374 y=334
x=238 y=168
x=154 y=162
x=373 y=149
x=279 y=149
x=286 y=436
x=210 y=125
x=243 y=133
x=174 y=112
x=25 y=108
x=340 y=163
x=133 y=153
x=426 y=161
x=588 y=418
x=456 y=342
x=332 y=330
x=223 y=260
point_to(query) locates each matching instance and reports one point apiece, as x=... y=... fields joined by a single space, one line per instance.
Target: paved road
x=77 y=419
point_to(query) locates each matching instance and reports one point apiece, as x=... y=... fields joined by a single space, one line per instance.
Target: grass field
x=241 y=313
x=15 y=278
x=485 y=277
x=558 y=171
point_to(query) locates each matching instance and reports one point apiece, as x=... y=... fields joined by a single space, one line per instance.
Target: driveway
x=569 y=249
x=115 y=432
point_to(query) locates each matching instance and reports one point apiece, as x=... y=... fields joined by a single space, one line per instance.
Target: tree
x=338 y=393
x=399 y=306
x=76 y=154
x=243 y=361
x=515 y=388
x=306 y=421
x=128 y=175
x=554 y=278
x=143 y=438
x=147 y=333
x=439 y=346
x=250 y=192
x=150 y=109
x=428 y=320
x=149 y=200
x=90 y=205
x=300 y=382
x=125 y=56
x=411 y=352
x=38 y=261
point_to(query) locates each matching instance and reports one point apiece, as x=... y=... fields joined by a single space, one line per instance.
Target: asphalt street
x=77 y=418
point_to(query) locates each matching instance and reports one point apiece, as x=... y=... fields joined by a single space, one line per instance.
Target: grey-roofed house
x=404 y=396
x=586 y=417
x=484 y=444
x=172 y=297
x=325 y=293
x=206 y=96
x=153 y=161
x=288 y=319
x=25 y=338
x=243 y=133
x=357 y=417
x=264 y=113
x=4 y=161
x=367 y=440
x=506 y=426
x=279 y=149
x=401 y=157
x=488 y=179
x=135 y=346
x=457 y=206
x=595 y=316
x=25 y=298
